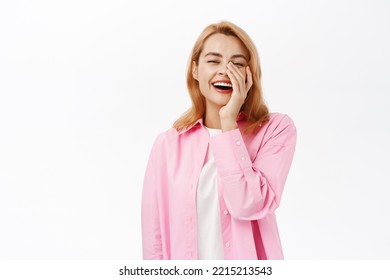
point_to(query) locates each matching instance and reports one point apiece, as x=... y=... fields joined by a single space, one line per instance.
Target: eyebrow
x=220 y=55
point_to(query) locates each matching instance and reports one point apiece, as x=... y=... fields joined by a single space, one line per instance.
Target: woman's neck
x=212 y=119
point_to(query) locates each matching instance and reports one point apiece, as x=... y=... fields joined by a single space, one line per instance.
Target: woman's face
x=210 y=72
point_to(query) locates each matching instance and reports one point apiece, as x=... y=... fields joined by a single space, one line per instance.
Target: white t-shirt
x=210 y=242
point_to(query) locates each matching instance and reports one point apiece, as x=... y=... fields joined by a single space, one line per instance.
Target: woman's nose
x=222 y=69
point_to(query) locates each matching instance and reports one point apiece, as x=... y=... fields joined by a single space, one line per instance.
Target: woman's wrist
x=227 y=125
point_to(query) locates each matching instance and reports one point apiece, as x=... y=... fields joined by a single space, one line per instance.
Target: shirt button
x=227 y=244
x=238 y=143
x=242 y=158
x=225 y=212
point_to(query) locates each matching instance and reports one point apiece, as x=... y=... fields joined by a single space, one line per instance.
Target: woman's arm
x=251 y=190
x=151 y=232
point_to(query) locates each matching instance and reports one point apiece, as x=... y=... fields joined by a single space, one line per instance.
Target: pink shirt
x=252 y=172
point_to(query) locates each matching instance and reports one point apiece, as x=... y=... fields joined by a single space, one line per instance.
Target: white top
x=210 y=242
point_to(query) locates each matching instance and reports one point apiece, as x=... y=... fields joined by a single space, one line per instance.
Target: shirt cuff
x=230 y=153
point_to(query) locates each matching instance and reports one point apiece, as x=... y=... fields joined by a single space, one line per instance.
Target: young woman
x=214 y=180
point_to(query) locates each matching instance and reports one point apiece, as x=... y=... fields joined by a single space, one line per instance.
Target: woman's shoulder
x=280 y=120
x=166 y=136
x=280 y=126
x=280 y=117
x=277 y=123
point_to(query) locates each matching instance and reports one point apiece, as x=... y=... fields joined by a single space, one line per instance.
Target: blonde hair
x=254 y=108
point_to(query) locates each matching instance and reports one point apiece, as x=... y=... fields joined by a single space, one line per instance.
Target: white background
x=85 y=86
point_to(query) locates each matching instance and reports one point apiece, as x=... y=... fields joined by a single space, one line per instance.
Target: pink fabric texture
x=252 y=172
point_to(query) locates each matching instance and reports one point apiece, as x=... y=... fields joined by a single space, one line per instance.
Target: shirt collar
x=199 y=122
x=241 y=116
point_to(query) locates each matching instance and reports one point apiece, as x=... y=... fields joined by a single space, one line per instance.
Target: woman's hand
x=241 y=84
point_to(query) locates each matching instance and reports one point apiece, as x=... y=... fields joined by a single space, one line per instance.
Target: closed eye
x=238 y=64
x=212 y=61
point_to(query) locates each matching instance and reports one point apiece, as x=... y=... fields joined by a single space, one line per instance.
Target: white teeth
x=222 y=84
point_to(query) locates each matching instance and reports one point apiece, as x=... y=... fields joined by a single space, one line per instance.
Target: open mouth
x=223 y=87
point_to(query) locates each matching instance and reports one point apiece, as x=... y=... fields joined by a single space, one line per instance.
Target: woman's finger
x=249 y=79
x=239 y=79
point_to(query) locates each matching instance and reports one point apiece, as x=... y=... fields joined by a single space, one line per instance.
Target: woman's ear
x=194 y=70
